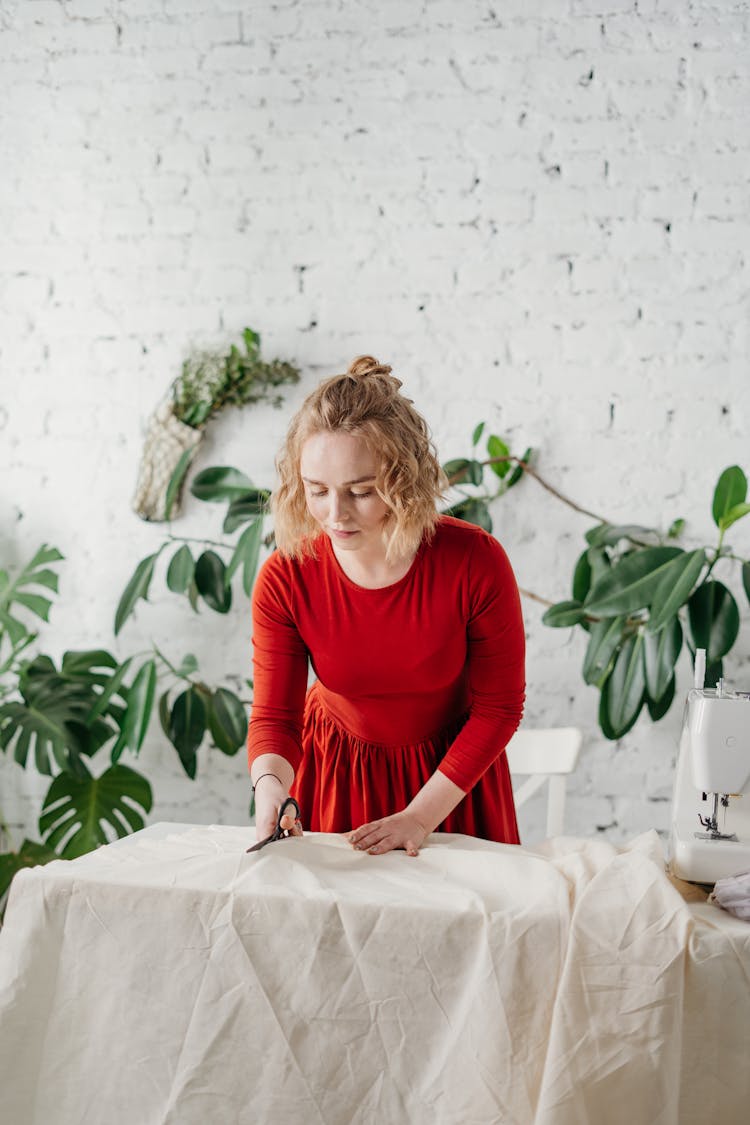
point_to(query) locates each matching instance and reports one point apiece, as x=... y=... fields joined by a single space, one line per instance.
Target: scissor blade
x=262 y=843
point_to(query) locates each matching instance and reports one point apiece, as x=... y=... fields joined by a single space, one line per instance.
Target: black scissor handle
x=278 y=833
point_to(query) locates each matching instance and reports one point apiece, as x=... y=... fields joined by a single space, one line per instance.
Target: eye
x=361 y=495
x=320 y=492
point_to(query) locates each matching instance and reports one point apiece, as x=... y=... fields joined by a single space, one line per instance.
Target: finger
x=385 y=843
x=288 y=822
x=411 y=848
x=368 y=834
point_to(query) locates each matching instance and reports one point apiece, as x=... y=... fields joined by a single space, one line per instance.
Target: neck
x=372 y=570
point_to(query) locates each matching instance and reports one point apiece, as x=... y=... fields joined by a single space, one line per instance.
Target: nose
x=336 y=508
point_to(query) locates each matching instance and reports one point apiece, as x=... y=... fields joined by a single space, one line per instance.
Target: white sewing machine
x=710 y=837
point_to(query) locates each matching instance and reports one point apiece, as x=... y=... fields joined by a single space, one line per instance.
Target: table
x=173 y=979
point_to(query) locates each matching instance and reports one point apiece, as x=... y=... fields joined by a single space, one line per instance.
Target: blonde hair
x=365 y=401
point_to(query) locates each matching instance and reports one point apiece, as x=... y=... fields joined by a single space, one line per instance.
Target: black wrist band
x=255 y=783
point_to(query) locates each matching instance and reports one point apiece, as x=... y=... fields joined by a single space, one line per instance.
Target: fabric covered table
x=179 y=981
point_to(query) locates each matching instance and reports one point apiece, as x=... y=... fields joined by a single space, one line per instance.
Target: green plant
x=468 y=476
x=189 y=710
x=63 y=716
x=639 y=597
x=209 y=381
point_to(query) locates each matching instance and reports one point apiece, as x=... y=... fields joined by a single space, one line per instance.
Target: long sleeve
x=495 y=664
x=280 y=661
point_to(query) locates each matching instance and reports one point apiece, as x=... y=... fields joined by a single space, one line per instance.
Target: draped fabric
x=177 y=980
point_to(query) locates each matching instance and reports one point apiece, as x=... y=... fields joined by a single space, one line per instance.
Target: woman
x=411 y=622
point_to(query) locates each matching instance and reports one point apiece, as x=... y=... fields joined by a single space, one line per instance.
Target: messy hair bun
x=368 y=365
x=366 y=401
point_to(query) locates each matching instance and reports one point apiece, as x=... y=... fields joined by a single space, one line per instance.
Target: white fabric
x=182 y=981
x=733 y=894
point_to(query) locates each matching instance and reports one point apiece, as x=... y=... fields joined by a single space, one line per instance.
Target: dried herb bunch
x=210 y=381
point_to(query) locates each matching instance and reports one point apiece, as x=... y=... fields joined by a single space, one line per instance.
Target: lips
x=337 y=534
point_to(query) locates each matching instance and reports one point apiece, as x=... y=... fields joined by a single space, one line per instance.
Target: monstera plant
x=61 y=717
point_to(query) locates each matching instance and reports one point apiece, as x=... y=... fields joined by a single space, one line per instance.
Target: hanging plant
x=208 y=382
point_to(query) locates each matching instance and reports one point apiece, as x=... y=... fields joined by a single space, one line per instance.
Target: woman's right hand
x=270 y=795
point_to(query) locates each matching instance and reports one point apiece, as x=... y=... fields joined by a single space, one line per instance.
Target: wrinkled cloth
x=733 y=894
x=177 y=981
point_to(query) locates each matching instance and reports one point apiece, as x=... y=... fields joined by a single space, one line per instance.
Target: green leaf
x=518 y=471
x=246 y=555
x=246 y=508
x=111 y=689
x=564 y=614
x=38 y=605
x=164 y=712
x=35 y=573
x=657 y=709
x=496 y=447
x=43 y=722
x=180 y=570
x=660 y=653
x=92 y=665
x=471 y=511
x=607 y=534
x=674 y=589
x=630 y=584
x=581 y=577
x=604 y=640
x=220 y=482
x=731 y=490
x=211 y=580
x=714 y=673
x=676 y=529
x=746 y=578
x=714 y=620
x=16 y=630
x=252 y=343
x=137 y=588
x=463 y=471
x=623 y=691
x=138 y=707
x=734 y=514
x=77 y=810
x=478 y=431
x=187 y=725
x=188 y=665
x=176 y=480
x=227 y=721
x=30 y=854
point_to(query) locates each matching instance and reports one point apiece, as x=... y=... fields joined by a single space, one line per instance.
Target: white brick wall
x=537 y=211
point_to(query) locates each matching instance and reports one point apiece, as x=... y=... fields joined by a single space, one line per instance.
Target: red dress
x=425 y=674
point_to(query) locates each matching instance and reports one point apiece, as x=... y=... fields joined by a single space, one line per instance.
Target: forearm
x=435 y=800
x=273 y=764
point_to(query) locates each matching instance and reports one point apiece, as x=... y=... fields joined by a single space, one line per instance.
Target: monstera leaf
x=15 y=592
x=77 y=809
x=45 y=721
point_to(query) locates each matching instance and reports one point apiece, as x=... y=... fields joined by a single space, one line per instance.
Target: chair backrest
x=546 y=755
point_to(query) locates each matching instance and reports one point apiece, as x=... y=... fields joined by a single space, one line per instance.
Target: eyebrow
x=359 y=480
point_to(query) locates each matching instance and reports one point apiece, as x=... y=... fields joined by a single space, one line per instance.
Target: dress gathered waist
x=394 y=722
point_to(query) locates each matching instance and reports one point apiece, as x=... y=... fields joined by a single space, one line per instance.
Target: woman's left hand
x=402 y=830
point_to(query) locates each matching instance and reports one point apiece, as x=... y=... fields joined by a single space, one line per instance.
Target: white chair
x=547 y=755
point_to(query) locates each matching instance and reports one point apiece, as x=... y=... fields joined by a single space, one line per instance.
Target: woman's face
x=339 y=474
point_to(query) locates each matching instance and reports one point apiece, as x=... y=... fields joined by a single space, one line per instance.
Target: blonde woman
x=411 y=622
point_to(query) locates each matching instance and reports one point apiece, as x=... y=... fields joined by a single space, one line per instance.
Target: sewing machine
x=710 y=837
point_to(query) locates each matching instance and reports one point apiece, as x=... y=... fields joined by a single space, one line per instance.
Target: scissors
x=278 y=833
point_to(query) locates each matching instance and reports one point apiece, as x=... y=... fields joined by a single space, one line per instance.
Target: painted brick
x=480 y=195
